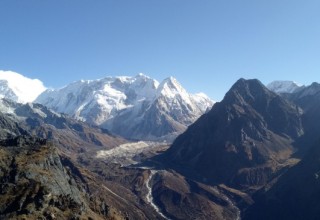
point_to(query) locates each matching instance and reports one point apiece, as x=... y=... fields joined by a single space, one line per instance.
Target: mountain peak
x=311 y=90
x=171 y=79
x=141 y=75
x=170 y=87
x=247 y=85
x=142 y=78
x=283 y=86
x=240 y=82
x=247 y=90
x=18 y=88
x=171 y=82
x=235 y=134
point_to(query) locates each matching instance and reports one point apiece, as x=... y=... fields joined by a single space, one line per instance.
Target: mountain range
x=134 y=107
x=253 y=155
x=50 y=169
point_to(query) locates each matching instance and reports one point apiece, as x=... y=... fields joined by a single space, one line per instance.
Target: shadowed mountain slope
x=243 y=141
x=295 y=195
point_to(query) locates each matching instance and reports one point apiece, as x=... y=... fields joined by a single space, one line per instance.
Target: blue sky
x=206 y=44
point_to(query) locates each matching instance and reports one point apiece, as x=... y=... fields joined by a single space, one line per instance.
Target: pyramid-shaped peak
x=245 y=86
x=170 y=79
x=171 y=82
x=170 y=87
x=248 y=89
x=247 y=82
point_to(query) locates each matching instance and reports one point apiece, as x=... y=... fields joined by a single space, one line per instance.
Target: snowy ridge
x=19 y=88
x=135 y=107
x=283 y=86
x=107 y=96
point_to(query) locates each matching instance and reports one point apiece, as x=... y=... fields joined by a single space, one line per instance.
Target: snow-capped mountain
x=283 y=86
x=19 y=88
x=135 y=107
